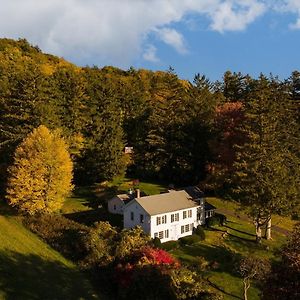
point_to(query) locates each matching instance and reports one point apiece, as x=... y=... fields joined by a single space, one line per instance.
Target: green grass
x=222 y=248
x=30 y=269
x=124 y=184
x=80 y=200
x=284 y=222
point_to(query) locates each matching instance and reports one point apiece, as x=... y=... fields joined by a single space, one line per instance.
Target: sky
x=192 y=36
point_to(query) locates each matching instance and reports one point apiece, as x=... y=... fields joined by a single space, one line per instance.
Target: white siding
x=140 y=217
x=174 y=228
x=115 y=206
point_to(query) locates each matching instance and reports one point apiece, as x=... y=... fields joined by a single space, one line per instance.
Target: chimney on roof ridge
x=138 y=193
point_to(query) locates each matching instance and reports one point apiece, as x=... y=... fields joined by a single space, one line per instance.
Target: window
x=158 y=220
x=191 y=227
x=172 y=218
x=115 y=207
x=161 y=234
x=184 y=214
x=141 y=218
x=182 y=229
x=187 y=227
x=131 y=216
x=190 y=213
x=156 y=234
x=177 y=217
x=167 y=233
x=164 y=219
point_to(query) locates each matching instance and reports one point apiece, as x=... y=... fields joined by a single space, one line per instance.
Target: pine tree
x=40 y=177
x=267 y=167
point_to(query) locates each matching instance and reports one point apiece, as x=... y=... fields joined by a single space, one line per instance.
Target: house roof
x=194 y=192
x=125 y=197
x=208 y=206
x=167 y=202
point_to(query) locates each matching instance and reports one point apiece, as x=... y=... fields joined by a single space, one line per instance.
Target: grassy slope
x=226 y=248
x=30 y=269
x=283 y=222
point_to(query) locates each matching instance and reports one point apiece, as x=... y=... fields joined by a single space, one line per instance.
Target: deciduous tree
x=40 y=177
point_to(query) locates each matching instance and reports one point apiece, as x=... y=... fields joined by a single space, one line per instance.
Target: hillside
x=30 y=269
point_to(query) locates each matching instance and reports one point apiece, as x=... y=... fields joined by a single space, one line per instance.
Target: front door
x=174 y=232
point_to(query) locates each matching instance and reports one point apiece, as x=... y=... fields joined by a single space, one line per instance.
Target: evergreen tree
x=267 y=167
x=103 y=155
x=40 y=177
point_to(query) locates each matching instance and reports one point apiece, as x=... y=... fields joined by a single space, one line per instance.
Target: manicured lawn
x=222 y=249
x=30 y=269
x=78 y=201
x=124 y=184
x=282 y=222
x=88 y=204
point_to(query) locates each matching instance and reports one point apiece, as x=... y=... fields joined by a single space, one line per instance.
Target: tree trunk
x=246 y=288
x=268 y=229
x=258 y=232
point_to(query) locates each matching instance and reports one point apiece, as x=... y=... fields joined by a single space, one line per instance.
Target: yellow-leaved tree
x=41 y=175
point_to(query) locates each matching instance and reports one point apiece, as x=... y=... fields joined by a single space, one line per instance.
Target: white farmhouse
x=168 y=216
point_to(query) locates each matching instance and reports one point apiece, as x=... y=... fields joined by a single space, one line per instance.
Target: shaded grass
x=82 y=199
x=88 y=204
x=223 y=248
x=30 y=269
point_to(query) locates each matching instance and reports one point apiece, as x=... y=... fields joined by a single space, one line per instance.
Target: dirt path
x=245 y=218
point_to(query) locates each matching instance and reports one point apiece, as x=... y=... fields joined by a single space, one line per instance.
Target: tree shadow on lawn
x=31 y=277
x=92 y=198
x=6 y=210
x=220 y=259
x=240 y=231
x=236 y=236
x=222 y=290
x=91 y=216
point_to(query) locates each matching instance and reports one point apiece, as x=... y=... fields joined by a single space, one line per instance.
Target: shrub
x=202 y=263
x=222 y=218
x=200 y=232
x=62 y=234
x=217 y=219
x=189 y=240
x=100 y=244
x=156 y=242
x=170 y=245
x=212 y=221
x=156 y=257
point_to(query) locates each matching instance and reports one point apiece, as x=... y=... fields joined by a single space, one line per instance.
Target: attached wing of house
x=117 y=203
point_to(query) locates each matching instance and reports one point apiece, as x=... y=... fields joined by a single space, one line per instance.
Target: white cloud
x=150 y=54
x=116 y=31
x=173 y=38
x=290 y=6
x=235 y=15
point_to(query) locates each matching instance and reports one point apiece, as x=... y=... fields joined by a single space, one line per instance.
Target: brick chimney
x=138 y=193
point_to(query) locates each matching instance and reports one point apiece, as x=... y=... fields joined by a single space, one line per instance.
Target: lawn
x=87 y=205
x=30 y=269
x=282 y=222
x=123 y=184
x=222 y=249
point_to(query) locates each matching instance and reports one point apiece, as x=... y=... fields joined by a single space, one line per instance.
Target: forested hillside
x=182 y=132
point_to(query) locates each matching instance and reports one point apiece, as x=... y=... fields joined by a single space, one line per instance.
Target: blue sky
x=192 y=36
